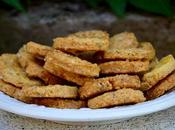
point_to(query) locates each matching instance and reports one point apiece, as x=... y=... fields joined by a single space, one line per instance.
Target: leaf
x=15 y=3
x=93 y=3
x=118 y=6
x=162 y=7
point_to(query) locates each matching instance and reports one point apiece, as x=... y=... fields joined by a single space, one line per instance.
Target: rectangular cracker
x=124 y=67
x=37 y=49
x=115 y=98
x=51 y=91
x=69 y=76
x=145 y=51
x=12 y=73
x=83 y=41
x=73 y=64
x=101 y=85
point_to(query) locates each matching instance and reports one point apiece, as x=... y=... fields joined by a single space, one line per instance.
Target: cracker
x=123 y=67
x=163 y=86
x=51 y=91
x=145 y=51
x=115 y=98
x=37 y=50
x=35 y=70
x=83 y=41
x=93 y=88
x=101 y=85
x=12 y=73
x=69 y=76
x=165 y=66
x=123 y=40
x=61 y=103
x=73 y=64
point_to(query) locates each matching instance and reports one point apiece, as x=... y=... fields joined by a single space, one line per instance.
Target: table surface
x=164 y=120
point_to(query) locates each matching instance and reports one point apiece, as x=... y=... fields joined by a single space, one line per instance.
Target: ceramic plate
x=86 y=115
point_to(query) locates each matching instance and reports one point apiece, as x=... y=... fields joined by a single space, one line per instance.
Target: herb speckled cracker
x=83 y=41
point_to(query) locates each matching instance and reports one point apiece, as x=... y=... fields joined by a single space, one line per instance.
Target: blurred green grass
x=119 y=7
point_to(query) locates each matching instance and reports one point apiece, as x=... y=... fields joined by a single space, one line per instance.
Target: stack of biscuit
x=87 y=69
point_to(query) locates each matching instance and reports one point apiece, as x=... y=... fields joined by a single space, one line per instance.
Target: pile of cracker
x=87 y=69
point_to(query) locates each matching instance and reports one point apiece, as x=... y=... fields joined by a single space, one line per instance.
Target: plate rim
x=86 y=115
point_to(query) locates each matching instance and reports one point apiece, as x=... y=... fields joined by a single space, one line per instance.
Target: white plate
x=85 y=115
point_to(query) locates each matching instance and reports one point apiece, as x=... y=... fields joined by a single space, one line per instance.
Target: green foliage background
x=162 y=7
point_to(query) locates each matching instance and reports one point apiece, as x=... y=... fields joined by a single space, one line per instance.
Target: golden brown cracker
x=51 y=91
x=69 y=76
x=61 y=103
x=73 y=64
x=163 y=86
x=37 y=49
x=83 y=41
x=165 y=66
x=123 y=67
x=145 y=51
x=101 y=85
x=123 y=40
x=125 y=81
x=12 y=73
x=93 y=88
x=118 y=97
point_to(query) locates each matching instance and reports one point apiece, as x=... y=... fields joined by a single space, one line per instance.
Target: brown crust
x=146 y=51
x=122 y=67
x=83 y=41
x=61 y=103
x=163 y=86
x=69 y=76
x=51 y=91
x=118 y=97
x=165 y=67
x=12 y=73
x=73 y=64
x=37 y=49
x=101 y=85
